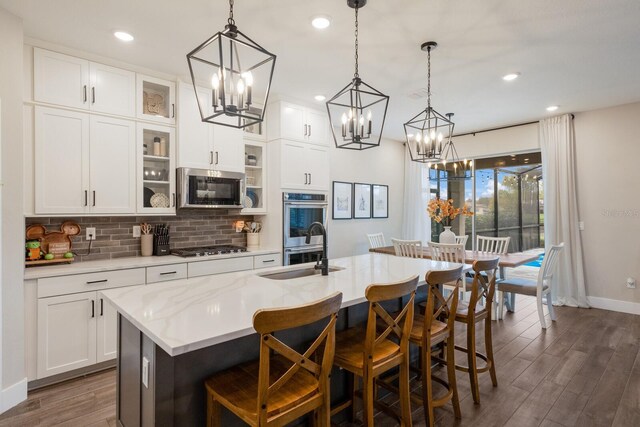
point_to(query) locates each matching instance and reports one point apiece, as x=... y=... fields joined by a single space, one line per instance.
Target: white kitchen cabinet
x=256 y=177
x=106 y=330
x=304 y=166
x=156 y=99
x=74 y=82
x=61 y=161
x=66 y=333
x=112 y=165
x=297 y=123
x=83 y=164
x=204 y=145
x=156 y=169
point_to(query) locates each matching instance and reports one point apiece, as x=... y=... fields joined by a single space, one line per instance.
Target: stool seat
x=520 y=286
x=439 y=331
x=463 y=311
x=238 y=386
x=350 y=349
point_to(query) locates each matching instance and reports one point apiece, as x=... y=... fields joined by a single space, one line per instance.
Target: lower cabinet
x=106 y=330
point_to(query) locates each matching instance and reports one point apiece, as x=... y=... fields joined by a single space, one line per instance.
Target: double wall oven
x=300 y=210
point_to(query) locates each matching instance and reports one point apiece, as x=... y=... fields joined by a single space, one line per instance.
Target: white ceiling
x=579 y=54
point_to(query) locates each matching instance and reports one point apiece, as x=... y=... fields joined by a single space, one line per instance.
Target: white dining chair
x=492 y=245
x=450 y=252
x=462 y=240
x=376 y=240
x=408 y=248
x=539 y=288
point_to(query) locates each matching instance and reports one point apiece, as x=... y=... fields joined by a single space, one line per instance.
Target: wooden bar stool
x=376 y=354
x=276 y=390
x=435 y=327
x=482 y=288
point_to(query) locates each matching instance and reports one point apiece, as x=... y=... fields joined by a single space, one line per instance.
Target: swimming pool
x=536 y=263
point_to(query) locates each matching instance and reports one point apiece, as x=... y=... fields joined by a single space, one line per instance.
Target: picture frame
x=342 y=200
x=379 y=201
x=361 y=200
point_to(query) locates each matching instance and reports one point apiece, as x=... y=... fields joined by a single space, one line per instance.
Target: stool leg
x=367 y=397
x=351 y=392
x=488 y=342
x=213 y=412
x=451 y=374
x=427 y=387
x=471 y=360
x=405 y=393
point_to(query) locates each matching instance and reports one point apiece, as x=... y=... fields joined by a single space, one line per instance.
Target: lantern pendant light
x=429 y=132
x=231 y=76
x=451 y=167
x=357 y=113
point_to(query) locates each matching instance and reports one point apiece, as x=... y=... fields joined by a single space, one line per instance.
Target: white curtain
x=557 y=143
x=416 y=224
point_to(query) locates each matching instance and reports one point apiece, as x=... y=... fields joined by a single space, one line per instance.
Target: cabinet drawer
x=62 y=285
x=269 y=260
x=162 y=273
x=218 y=266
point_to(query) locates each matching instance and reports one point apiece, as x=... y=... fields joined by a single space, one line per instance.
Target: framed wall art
x=342 y=196
x=361 y=200
x=380 y=201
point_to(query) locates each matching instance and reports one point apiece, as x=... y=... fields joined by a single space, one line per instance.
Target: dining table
x=509 y=260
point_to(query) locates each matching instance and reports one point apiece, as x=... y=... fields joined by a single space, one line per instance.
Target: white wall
x=12 y=377
x=520 y=139
x=381 y=165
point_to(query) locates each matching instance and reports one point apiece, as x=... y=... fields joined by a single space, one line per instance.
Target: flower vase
x=447 y=236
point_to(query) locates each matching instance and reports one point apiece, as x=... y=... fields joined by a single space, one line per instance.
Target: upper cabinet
x=73 y=82
x=297 y=123
x=203 y=145
x=156 y=99
x=156 y=166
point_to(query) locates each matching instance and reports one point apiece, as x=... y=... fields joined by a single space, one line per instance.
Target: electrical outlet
x=631 y=283
x=136 y=231
x=145 y=372
x=91 y=233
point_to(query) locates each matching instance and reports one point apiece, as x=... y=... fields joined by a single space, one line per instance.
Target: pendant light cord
x=231 y=21
x=429 y=77
x=356 y=75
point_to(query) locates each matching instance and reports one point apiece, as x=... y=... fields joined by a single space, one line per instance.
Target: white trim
x=12 y=395
x=615 y=305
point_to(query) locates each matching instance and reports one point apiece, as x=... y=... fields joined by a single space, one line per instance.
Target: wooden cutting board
x=55 y=242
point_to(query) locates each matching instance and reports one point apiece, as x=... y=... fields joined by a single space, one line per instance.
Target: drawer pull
x=93 y=282
x=269 y=260
x=168 y=272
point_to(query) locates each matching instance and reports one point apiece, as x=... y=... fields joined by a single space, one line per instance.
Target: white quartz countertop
x=186 y=315
x=125 y=263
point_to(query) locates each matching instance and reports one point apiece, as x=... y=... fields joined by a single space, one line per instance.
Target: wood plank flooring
x=584 y=370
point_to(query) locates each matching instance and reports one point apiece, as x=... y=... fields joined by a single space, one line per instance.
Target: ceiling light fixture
x=455 y=168
x=510 y=77
x=429 y=132
x=552 y=108
x=236 y=72
x=357 y=113
x=320 y=97
x=321 y=22
x=125 y=37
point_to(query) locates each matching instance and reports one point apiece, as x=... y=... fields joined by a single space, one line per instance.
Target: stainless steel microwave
x=205 y=188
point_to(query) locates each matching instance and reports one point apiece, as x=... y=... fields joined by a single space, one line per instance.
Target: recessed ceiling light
x=552 y=108
x=320 y=97
x=125 y=37
x=321 y=22
x=511 y=76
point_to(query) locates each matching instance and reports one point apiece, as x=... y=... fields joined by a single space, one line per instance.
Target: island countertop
x=189 y=314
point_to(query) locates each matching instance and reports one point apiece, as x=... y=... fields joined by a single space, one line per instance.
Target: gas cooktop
x=208 y=250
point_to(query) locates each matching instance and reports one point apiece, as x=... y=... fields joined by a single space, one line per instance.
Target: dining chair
x=450 y=252
x=539 y=288
x=283 y=384
x=368 y=351
x=492 y=245
x=376 y=240
x=462 y=240
x=477 y=310
x=408 y=248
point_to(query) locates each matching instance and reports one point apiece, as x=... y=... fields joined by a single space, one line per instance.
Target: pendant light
x=231 y=76
x=357 y=113
x=429 y=132
x=450 y=163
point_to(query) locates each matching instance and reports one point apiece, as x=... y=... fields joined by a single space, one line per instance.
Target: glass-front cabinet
x=256 y=179
x=156 y=99
x=156 y=178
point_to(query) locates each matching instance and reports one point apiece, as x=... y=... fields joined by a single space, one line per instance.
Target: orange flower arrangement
x=443 y=211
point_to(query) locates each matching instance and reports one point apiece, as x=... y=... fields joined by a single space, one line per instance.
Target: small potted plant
x=443 y=212
x=253 y=234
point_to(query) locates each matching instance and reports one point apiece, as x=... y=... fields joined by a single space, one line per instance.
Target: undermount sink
x=294 y=274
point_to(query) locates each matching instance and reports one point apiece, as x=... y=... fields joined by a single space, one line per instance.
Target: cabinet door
x=61 y=161
x=292 y=124
x=156 y=168
x=194 y=135
x=113 y=90
x=107 y=330
x=60 y=79
x=112 y=165
x=156 y=99
x=318 y=167
x=228 y=147
x=317 y=124
x=66 y=333
x=294 y=161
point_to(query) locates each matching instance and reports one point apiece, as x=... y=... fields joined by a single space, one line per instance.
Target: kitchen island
x=174 y=335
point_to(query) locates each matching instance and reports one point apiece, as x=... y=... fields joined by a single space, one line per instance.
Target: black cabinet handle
x=210 y=157
x=168 y=272
x=94 y=197
x=93 y=95
x=269 y=260
x=173 y=196
x=93 y=308
x=305 y=130
x=309 y=130
x=84 y=93
x=86 y=197
x=309 y=178
x=93 y=282
x=217 y=158
x=101 y=307
x=173 y=110
x=306 y=178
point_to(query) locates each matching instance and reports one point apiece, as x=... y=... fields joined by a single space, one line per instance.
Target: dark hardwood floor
x=584 y=370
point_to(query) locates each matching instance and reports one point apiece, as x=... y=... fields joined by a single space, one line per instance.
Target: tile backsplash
x=114 y=235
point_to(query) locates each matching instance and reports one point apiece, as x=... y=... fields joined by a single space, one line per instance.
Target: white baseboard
x=12 y=395
x=615 y=305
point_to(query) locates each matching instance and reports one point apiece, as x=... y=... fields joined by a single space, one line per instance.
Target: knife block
x=161 y=245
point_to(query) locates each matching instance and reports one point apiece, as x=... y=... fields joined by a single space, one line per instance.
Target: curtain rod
x=500 y=128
